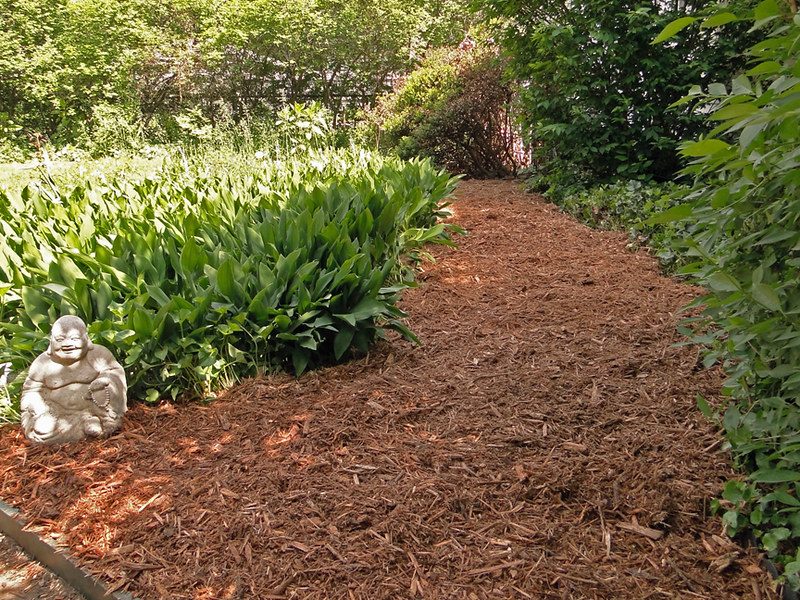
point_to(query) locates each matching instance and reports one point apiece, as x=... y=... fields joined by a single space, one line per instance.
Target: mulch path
x=542 y=443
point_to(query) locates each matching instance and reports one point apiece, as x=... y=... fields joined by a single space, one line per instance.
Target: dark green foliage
x=456 y=109
x=745 y=241
x=195 y=281
x=594 y=91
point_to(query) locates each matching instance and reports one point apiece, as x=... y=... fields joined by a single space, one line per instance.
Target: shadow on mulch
x=542 y=443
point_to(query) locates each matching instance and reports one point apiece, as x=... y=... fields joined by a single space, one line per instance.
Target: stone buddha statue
x=74 y=390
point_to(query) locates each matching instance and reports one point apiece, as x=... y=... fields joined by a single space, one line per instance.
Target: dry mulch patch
x=542 y=443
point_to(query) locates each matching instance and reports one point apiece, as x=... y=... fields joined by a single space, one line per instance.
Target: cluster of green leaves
x=75 y=70
x=454 y=108
x=193 y=281
x=743 y=217
x=641 y=209
x=594 y=91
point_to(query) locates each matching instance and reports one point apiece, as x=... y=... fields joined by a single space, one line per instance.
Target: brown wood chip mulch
x=542 y=443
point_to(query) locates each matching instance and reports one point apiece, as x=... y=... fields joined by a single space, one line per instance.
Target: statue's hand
x=99 y=383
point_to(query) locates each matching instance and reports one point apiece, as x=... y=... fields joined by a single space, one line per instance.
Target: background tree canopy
x=65 y=66
x=594 y=92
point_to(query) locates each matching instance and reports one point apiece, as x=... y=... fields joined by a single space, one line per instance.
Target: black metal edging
x=787 y=593
x=750 y=541
x=53 y=559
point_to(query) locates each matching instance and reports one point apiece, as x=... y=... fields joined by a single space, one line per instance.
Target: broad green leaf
x=732 y=111
x=705 y=147
x=673 y=29
x=69 y=271
x=749 y=134
x=299 y=360
x=704 y=407
x=765 y=68
x=142 y=323
x=103 y=298
x=776 y=235
x=226 y=279
x=784 y=498
x=342 y=342
x=774 y=475
x=348 y=318
x=766 y=296
x=36 y=305
x=367 y=309
x=676 y=213
x=193 y=259
x=722 y=282
x=717 y=89
x=719 y=19
x=767 y=9
x=404 y=330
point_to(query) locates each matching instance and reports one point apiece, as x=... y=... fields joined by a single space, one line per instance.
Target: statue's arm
x=32 y=402
x=111 y=376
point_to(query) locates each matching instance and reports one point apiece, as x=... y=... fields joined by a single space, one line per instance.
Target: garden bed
x=542 y=443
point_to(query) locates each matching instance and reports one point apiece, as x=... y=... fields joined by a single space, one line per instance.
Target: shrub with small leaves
x=456 y=108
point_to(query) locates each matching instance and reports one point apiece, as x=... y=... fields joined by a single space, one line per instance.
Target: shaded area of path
x=542 y=443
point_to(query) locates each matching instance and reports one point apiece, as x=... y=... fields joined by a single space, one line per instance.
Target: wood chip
x=653 y=534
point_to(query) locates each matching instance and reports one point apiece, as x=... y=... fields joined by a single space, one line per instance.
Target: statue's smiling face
x=69 y=341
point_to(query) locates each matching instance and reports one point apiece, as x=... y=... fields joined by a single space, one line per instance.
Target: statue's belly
x=69 y=398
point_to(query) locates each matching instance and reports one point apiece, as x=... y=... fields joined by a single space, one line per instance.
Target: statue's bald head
x=69 y=340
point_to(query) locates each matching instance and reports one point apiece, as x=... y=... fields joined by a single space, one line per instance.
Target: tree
x=595 y=93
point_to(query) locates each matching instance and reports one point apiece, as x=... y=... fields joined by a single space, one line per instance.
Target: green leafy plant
x=594 y=92
x=742 y=216
x=196 y=280
x=303 y=127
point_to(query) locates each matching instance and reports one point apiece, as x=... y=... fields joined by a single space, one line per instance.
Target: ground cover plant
x=195 y=280
x=634 y=207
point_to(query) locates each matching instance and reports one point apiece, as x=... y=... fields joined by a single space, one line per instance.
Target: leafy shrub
x=112 y=128
x=594 y=91
x=195 y=280
x=161 y=59
x=631 y=206
x=456 y=109
x=743 y=215
x=304 y=127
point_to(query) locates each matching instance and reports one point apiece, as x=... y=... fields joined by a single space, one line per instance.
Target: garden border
x=56 y=561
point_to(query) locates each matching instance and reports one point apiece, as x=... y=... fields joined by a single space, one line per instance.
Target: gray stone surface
x=76 y=389
x=24 y=579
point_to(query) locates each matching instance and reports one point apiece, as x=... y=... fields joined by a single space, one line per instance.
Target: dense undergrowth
x=194 y=279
